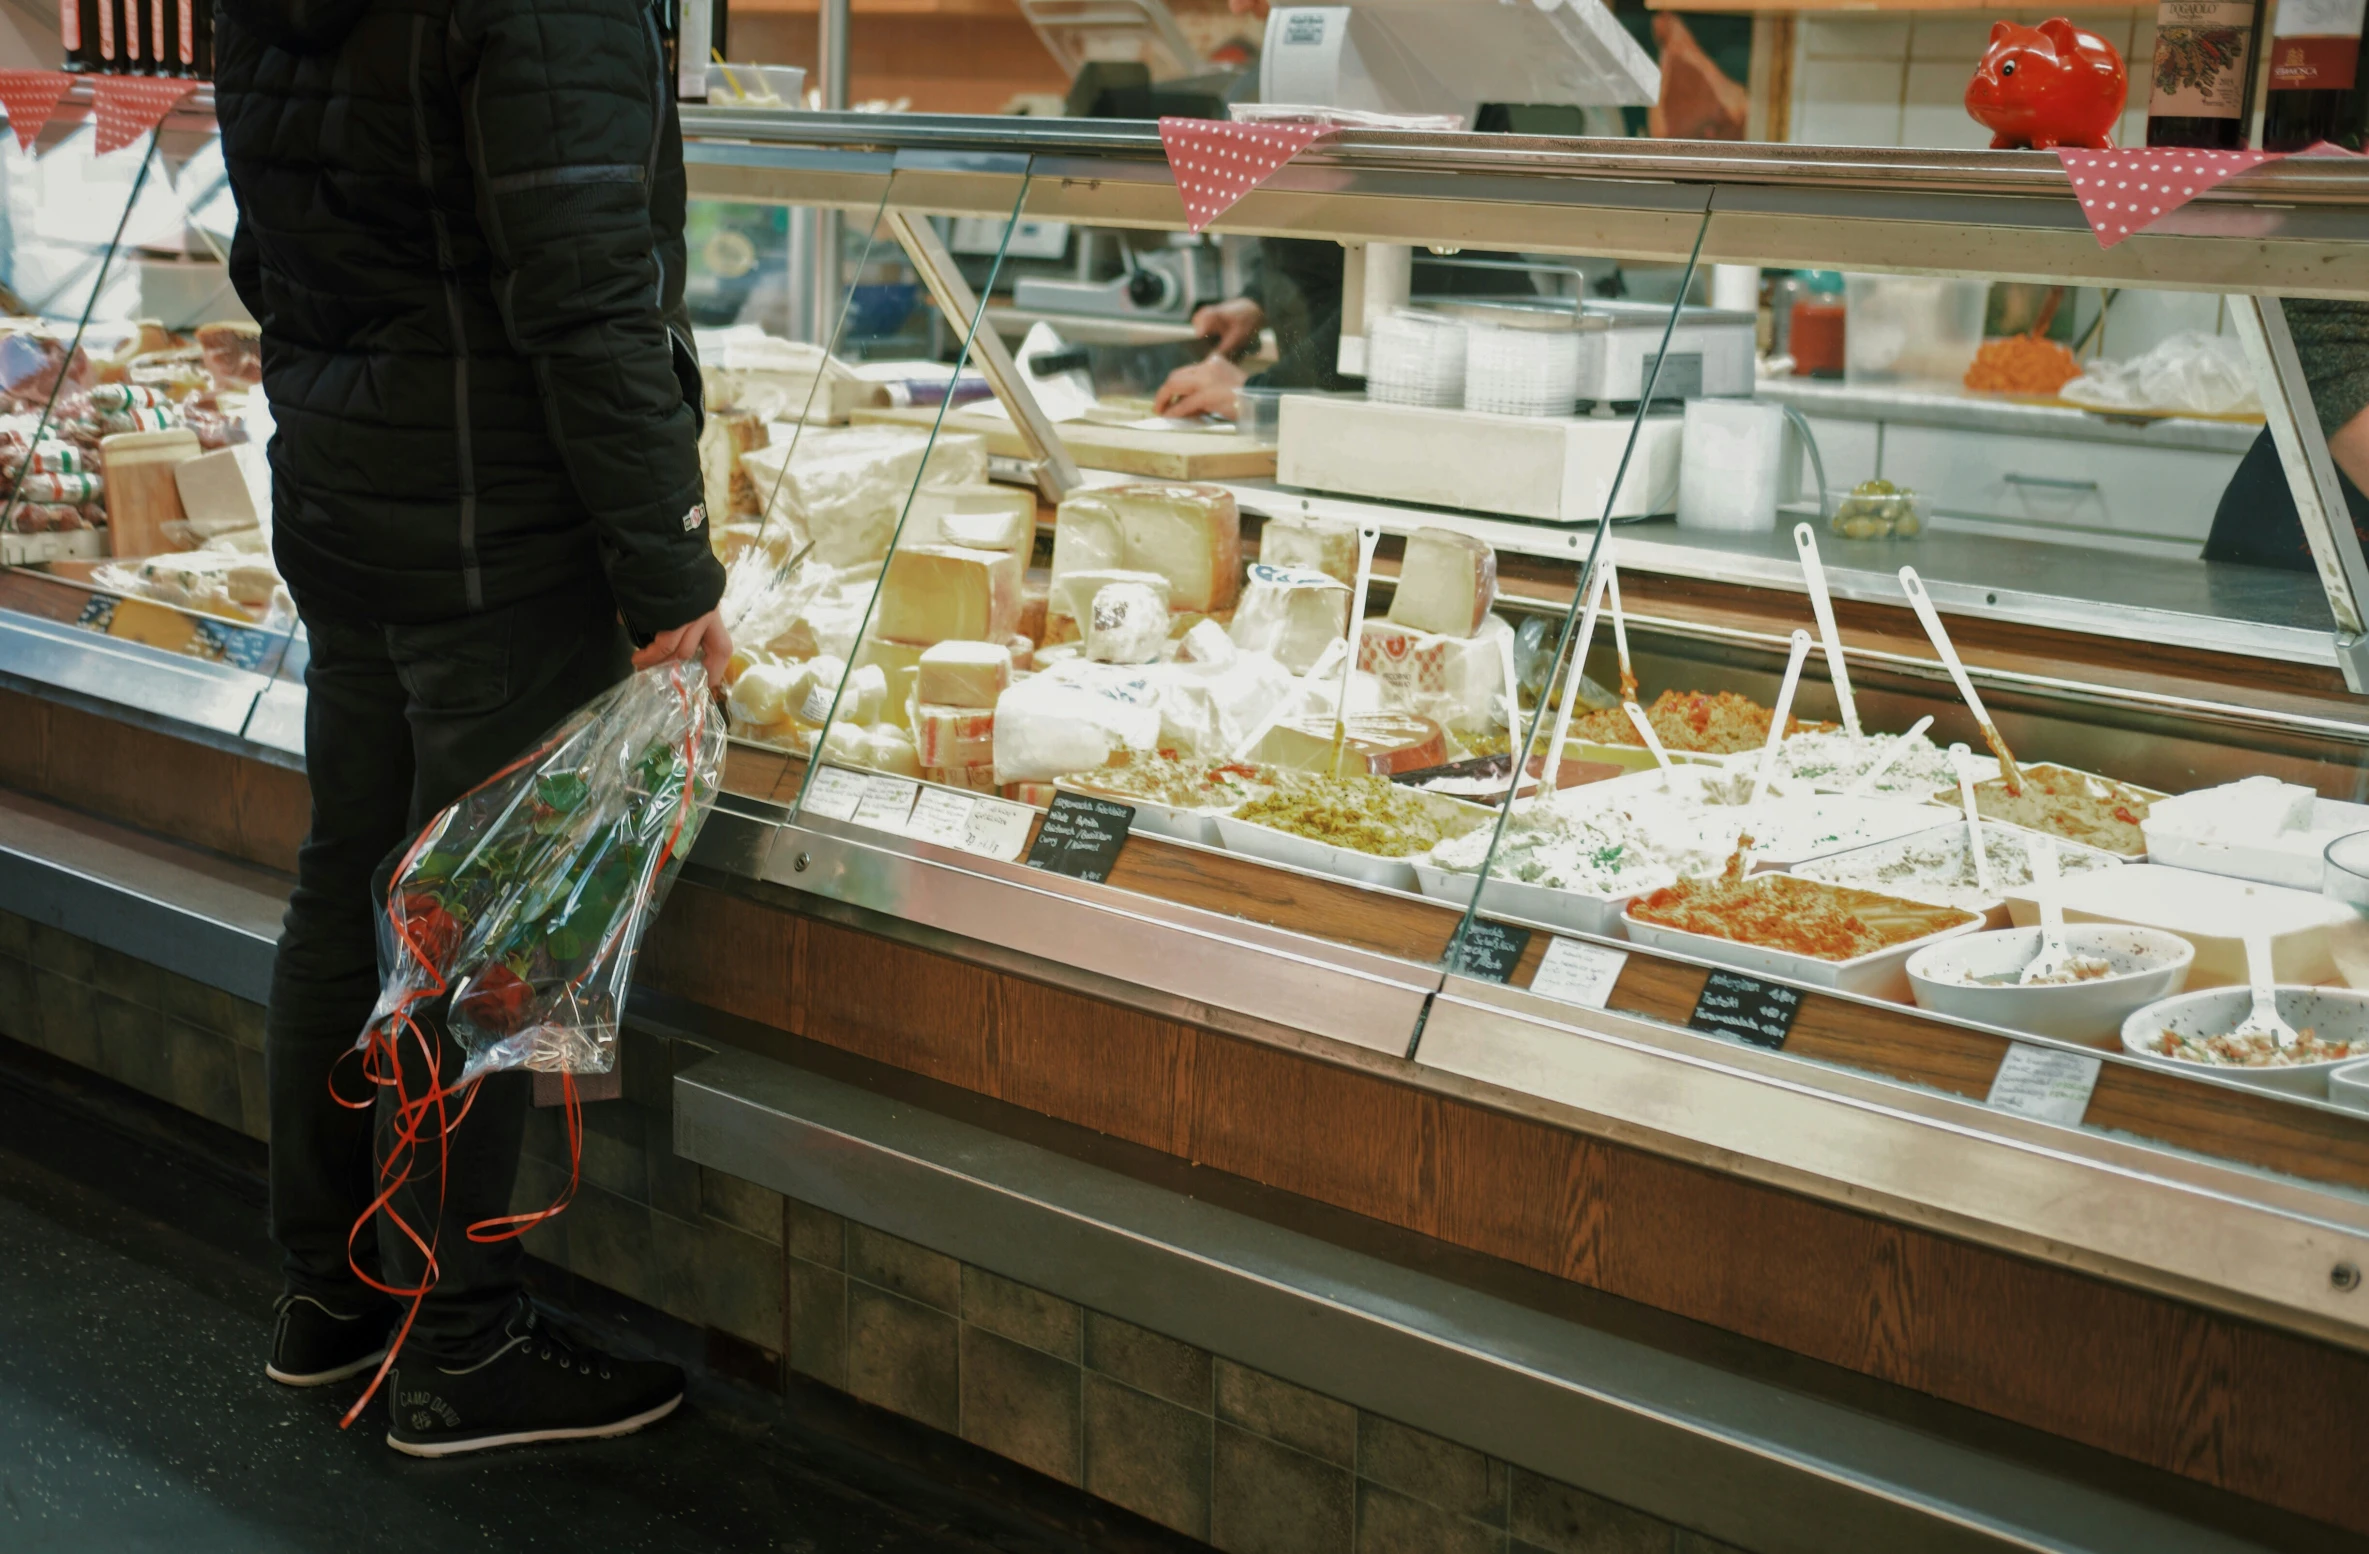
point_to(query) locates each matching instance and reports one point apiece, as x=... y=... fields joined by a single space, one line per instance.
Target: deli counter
x=1497 y=844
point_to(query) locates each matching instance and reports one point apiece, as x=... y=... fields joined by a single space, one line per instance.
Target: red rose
x=498 y=1000
x=429 y=928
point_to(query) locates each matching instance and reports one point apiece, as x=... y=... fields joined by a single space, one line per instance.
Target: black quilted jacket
x=461 y=226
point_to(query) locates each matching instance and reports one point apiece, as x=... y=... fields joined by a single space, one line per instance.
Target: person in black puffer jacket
x=461 y=228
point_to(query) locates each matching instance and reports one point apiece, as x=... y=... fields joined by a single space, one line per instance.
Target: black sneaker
x=539 y=1386
x=314 y=1346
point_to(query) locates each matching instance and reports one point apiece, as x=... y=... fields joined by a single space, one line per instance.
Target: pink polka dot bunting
x=31 y=96
x=130 y=106
x=1216 y=162
x=2122 y=192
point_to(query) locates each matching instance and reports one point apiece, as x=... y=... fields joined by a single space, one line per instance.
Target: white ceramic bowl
x=2336 y=1013
x=2148 y=963
x=2348 y=1085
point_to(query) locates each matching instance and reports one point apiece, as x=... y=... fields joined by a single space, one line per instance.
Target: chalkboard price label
x=1081 y=837
x=1490 y=951
x=1732 y=1004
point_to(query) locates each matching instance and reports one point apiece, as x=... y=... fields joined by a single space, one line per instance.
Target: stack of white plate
x=1415 y=359
x=1516 y=371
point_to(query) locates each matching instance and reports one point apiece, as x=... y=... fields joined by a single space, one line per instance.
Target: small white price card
x=886 y=803
x=2045 y=1083
x=834 y=793
x=997 y=828
x=1577 y=972
x=941 y=816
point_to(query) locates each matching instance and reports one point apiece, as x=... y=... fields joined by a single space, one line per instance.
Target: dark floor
x=135 y=1306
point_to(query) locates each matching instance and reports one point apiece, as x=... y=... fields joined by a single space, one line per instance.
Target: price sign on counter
x=997 y=828
x=887 y=802
x=2045 y=1083
x=1490 y=951
x=940 y=816
x=1733 y=1004
x=834 y=793
x=1081 y=837
x=1577 y=972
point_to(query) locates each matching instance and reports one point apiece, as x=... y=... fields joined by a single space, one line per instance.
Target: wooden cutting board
x=1123 y=449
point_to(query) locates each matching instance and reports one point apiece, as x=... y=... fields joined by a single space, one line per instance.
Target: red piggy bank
x=2048 y=86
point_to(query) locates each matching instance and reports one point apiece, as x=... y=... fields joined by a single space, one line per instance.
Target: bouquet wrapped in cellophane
x=526 y=899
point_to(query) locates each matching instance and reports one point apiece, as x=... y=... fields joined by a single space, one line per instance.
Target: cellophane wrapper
x=526 y=899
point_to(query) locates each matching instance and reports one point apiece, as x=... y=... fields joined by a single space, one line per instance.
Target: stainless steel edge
x=1673 y=1431
x=1331 y=990
x=173 y=689
x=2223 y=1236
x=193 y=914
x=277 y=723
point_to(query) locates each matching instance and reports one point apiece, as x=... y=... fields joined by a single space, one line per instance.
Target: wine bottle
x=2203 y=92
x=2316 y=69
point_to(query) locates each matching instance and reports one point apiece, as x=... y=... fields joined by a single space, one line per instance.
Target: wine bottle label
x=2200 y=59
x=107 y=30
x=2314 y=44
x=158 y=54
x=70 y=24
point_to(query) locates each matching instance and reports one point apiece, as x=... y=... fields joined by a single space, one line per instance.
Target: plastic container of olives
x=1878 y=509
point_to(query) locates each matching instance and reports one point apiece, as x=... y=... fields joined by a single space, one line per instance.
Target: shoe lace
x=549 y=1343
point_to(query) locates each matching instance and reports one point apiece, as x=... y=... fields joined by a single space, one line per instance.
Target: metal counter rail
x=1656 y=1427
x=2291 y=229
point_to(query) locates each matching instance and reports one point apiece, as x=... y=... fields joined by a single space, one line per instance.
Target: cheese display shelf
x=1060 y=798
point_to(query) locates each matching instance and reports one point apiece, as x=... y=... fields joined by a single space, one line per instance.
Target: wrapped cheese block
x=964 y=674
x=861 y=698
x=1290 y=613
x=1073 y=597
x=981 y=516
x=1447 y=583
x=1207 y=710
x=1206 y=643
x=1073 y=718
x=900 y=663
x=1126 y=624
x=724 y=484
x=1327 y=545
x=971 y=779
x=1189 y=534
x=944 y=593
x=758 y=696
x=954 y=736
x=1456 y=681
x=1378 y=744
x=845 y=487
x=889 y=749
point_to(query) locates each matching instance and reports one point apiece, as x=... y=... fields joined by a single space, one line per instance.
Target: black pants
x=400 y=721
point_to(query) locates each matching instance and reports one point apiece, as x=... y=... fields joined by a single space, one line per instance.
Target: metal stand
x=1055 y=471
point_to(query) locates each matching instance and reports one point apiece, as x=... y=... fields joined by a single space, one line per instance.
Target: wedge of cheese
x=1455 y=681
x=1327 y=545
x=946 y=593
x=978 y=516
x=964 y=674
x=1190 y=535
x=1447 y=583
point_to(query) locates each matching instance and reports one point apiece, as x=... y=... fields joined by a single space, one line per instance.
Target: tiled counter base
x=1247 y=1461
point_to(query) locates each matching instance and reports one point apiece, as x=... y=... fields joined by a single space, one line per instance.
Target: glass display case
x=2043 y=566
x=1632 y=634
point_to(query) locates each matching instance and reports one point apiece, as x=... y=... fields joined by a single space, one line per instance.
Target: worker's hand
x=704 y=639
x=1205 y=388
x=1233 y=325
x=1256 y=8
